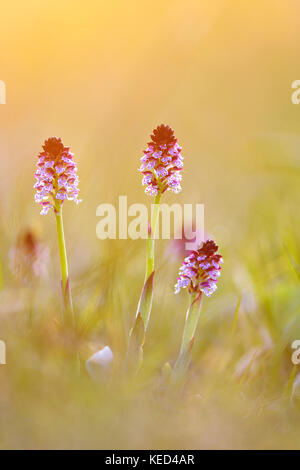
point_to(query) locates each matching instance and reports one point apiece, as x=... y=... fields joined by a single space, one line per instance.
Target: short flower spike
x=200 y=270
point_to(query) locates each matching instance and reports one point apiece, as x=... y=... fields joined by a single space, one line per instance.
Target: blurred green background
x=101 y=75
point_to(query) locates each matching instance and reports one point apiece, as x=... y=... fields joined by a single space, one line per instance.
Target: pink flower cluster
x=56 y=176
x=162 y=162
x=200 y=270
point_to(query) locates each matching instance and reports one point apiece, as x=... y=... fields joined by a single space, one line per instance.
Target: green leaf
x=145 y=302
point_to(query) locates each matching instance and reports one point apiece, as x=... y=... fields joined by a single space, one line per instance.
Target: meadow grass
x=240 y=381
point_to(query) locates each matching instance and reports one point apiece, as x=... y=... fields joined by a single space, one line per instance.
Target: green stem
x=65 y=283
x=150 y=259
x=151 y=237
x=137 y=333
x=62 y=248
x=191 y=322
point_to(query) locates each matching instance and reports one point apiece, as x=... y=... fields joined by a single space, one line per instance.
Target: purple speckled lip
x=200 y=270
x=162 y=162
x=56 y=176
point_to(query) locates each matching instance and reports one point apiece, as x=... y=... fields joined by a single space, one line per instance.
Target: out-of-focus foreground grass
x=102 y=75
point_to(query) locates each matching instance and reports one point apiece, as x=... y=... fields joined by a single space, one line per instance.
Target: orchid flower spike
x=56 y=176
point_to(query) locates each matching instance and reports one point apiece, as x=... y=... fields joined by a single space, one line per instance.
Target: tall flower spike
x=57 y=181
x=200 y=270
x=162 y=162
x=56 y=176
x=161 y=168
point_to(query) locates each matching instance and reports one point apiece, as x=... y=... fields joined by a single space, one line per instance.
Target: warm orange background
x=102 y=74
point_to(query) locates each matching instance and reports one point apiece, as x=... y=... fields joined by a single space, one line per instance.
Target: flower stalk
x=138 y=332
x=151 y=236
x=191 y=322
x=65 y=283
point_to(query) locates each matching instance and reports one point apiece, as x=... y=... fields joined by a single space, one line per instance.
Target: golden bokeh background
x=101 y=75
